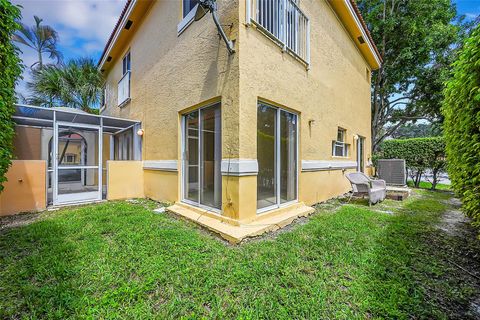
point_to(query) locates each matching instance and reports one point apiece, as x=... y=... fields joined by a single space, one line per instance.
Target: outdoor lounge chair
x=363 y=185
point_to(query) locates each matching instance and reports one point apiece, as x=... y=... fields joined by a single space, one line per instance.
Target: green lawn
x=428 y=185
x=121 y=260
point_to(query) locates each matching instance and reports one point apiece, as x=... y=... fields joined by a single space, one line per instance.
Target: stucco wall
x=173 y=74
x=334 y=92
x=27 y=143
x=124 y=180
x=25 y=189
x=161 y=185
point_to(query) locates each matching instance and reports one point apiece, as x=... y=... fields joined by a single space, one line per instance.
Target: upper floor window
x=124 y=83
x=126 y=63
x=339 y=147
x=285 y=22
x=188 y=6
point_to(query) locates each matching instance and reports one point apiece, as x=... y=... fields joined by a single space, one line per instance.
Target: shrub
x=461 y=109
x=10 y=70
x=420 y=154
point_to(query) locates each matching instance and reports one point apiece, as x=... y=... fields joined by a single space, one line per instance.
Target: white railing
x=283 y=21
x=124 y=88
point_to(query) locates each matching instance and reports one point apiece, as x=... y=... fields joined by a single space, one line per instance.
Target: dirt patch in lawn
x=462 y=252
x=18 y=220
x=453 y=221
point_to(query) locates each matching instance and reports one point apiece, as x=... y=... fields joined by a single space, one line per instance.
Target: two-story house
x=243 y=142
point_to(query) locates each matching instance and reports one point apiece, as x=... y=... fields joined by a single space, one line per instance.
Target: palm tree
x=41 y=38
x=77 y=84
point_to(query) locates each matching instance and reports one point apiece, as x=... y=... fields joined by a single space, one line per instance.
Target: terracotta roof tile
x=117 y=25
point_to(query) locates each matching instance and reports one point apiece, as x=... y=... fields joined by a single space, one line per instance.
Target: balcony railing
x=283 y=21
x=124 y=89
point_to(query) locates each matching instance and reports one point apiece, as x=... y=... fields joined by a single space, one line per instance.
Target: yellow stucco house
x=252 y=138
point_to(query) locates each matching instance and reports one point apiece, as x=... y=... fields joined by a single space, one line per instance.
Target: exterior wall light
x=140 y=132
x=355 y=137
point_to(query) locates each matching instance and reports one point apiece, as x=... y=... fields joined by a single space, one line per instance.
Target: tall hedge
x=420 y=154
x=461 y=109
x=10 y=70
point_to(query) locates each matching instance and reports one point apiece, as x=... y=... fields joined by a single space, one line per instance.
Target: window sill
x=183 y=25
x=124 y=103
x=341 y=157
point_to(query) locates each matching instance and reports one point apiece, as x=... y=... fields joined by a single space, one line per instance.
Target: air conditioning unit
x=393 y=171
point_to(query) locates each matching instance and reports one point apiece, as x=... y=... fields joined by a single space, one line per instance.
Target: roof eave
x=126 y=12
x=349 y=14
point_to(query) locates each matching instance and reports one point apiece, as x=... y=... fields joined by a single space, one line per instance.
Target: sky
x=85 y=25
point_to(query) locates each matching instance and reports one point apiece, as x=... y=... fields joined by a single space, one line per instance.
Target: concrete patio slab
x=398 y=193
x=236 y=231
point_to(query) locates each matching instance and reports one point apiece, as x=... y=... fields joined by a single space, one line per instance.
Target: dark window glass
x=126 y=63
x=188 y=6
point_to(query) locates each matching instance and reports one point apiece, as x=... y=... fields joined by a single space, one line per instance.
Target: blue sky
x=85 y=25
x=470 y=8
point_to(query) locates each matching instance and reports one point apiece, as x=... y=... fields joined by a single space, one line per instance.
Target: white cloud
x=87 y=19
x=471 y=15
x=83 y=26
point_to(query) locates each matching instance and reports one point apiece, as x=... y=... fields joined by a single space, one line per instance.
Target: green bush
x=420 y=154
x=461 y=109
x=10 y=70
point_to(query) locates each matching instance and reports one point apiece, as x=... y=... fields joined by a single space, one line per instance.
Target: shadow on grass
x=412 y=275
x=119 y=260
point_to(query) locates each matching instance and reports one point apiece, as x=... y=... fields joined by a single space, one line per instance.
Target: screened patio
x=75 y=146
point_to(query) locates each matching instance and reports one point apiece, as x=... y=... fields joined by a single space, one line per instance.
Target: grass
x=120 y=260
x=428 y=185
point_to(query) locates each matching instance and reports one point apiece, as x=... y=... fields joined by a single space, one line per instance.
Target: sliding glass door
x=276 y=156
x=202 y=155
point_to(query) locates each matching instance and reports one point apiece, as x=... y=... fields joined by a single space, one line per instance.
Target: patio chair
x=363 y=185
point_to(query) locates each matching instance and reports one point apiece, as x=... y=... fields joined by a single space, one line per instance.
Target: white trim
x=239 y=167
x=202 y=206
x=163 y=165
x=320 y=165
x=187 y=20
x=77 y=197
x=362 y=30
x=77 y=125
x=117 y=32
x=277 y=206
x=59 y=199
x=72 y=112
x=278 y=203
x=248 y=12
x=76 y=167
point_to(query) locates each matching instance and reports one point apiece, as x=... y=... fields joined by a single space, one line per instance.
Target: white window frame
x=126 y=71
x=187 y=19
x=184 y=165
x=70 y=158
x=340 y=143
x=286 y=34
x=279 y=205
x=129 y=66
x=360 y=153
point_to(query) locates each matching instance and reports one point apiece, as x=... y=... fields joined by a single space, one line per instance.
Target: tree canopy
x=41 y=38
x=76 y=84
x=417 y=41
